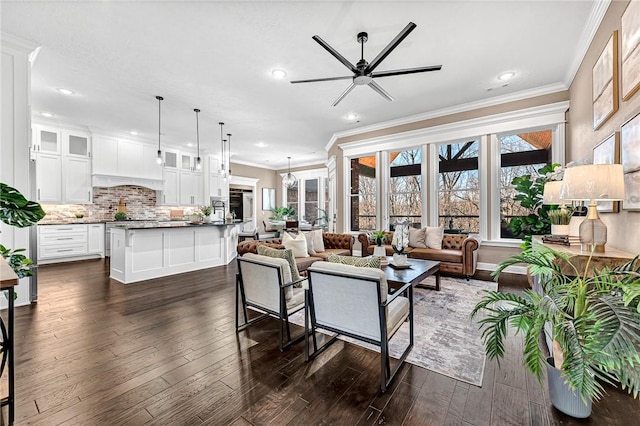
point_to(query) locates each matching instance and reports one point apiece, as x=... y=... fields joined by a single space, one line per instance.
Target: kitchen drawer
x=63 y=239
x=47 y=252
x=55 y=229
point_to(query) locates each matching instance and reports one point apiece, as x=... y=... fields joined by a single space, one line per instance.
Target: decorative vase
x=399 y=259
x=563 y=398
x=379 y=251
x=560 y=230
x=206 y=219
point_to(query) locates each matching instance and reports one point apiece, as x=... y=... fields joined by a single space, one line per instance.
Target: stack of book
x=565 y=240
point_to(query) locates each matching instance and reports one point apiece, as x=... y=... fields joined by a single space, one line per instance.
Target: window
x=520 y=154
x=405 y=187
x=311 y=200
x=459 y=190
x=363 y=193
x=292 y=199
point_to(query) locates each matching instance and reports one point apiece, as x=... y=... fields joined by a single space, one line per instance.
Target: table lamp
x=593 y=182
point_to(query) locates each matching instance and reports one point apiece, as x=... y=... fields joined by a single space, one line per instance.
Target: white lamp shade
x=593 y=182
x=551 y=194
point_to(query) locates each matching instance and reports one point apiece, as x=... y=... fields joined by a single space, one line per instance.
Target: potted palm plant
x=594 y=319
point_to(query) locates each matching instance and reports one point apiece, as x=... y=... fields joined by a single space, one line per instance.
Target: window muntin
x=405 y=187
x=520 y=154
x=459 y=189
x=363 y=193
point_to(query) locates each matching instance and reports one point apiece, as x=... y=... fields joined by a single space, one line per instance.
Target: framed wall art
x=631 y=191
x=608 y=152
x=630 y=50
x=268 y=198
x=605 y=83
x=630 y=145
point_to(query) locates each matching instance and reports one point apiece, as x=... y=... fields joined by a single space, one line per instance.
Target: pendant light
x=159 y=157
x=198 y=166
x=223 y=171
x=289 y=181
x=229 y=154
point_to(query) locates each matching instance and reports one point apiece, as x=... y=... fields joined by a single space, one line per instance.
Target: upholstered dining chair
x=249 y=230
x=264 y=284
x=292 y=226
x=354 y=302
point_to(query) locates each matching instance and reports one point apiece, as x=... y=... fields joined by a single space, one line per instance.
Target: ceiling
x=218 y=56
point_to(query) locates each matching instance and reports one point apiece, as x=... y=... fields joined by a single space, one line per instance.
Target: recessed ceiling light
x=47 y=114
x=65 y=91
x=278 y=73
x=189 y=144
x=134 y=133
x=506 y=76
x=351 y=116
x=261 y=145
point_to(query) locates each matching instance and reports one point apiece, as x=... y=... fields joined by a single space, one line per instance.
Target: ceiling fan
x=363 y=72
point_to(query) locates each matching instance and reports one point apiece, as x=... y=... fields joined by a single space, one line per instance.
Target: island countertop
x=155 y=224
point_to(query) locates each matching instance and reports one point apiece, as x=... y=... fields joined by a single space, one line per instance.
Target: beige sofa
x=341 y=244
x=458 y=256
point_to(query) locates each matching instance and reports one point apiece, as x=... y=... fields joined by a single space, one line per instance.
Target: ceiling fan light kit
x=363 y=72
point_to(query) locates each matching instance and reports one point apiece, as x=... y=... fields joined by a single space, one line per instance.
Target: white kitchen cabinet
x=48 y=178
x=214 y=185
x=95 y=239
x=150 y=167
x=47 y=140
x=171 y=193
x=61 y=242
x=77 y=180
x=191 y=188
x=105 y=156
x=76 y=144
x=171 y=159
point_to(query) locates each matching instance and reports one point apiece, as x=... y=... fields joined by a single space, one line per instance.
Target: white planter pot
x=379 y=251
x=563 y=398
x=561 y=230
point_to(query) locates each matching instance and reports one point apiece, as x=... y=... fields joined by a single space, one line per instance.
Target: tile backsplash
x=140 y=203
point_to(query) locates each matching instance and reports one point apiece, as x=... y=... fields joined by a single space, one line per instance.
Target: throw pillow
x=318 y=241
x=434 y=237
x=417 y=237
x=297 y=244
x=286 y=254
x=310 y=246
x=401 y=235
x=366 y=262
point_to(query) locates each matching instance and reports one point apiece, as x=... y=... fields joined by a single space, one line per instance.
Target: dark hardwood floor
x=165 y=352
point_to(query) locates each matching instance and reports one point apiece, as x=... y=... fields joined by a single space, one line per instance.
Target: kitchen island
x=156 y=249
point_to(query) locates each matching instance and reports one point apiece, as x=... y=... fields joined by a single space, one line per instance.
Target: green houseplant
x=594 y=318
x=530 y=189
x=16 y=210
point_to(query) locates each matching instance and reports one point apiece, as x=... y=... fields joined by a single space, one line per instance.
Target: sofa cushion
x=318 y=240
x=417 y=237
x=453 y=256
x=388 y=250
x=285 y=254
x=365 y=262
x=323 y=255
x=302 y=263
x=434 y=237
x=297 y=244
x=310 y=246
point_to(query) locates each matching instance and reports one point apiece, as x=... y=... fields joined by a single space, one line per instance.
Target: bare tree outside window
x=405 y=187
x=459 y=195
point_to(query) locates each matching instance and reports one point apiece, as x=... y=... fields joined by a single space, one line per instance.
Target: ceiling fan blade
x=375 y=86
x=406 y=71
x=313 y=80
x=335 y=54
x=394 y=43
x=345 y=93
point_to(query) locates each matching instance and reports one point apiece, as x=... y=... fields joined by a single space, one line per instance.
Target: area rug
x=446 y=340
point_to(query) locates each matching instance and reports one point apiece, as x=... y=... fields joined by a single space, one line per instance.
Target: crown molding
x=18 y=44
x=498 y=100
x=251 y=164
x=598 y=11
